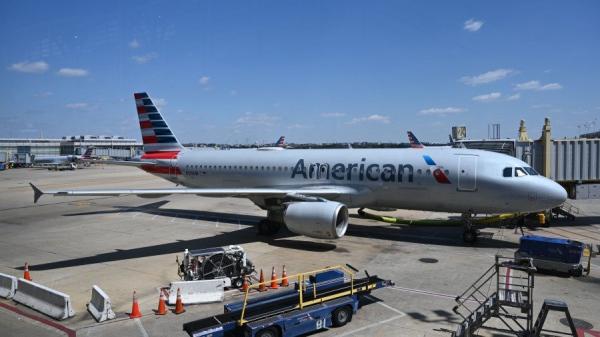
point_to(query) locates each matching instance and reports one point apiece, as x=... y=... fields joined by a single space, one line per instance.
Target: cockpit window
x=531 y=171
x=507 y=172
x=519 y=172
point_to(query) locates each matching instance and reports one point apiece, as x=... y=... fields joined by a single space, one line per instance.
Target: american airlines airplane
x=67 y=160
x=310 y=191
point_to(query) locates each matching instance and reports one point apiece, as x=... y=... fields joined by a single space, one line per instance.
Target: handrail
x=301 y=277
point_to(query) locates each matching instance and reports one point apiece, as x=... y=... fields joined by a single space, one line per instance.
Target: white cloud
x=256 y=119
x=441 y=111
x=487 y=97
x=371 y=118
x=72 y=72
x=473 y=25
x=536 y=85
x=297 y=126
x=159 y=102
x=513 y=97
x=333 y=114
x=141 y=59
x=77 y=106
x=204 y=80
x=44 y=94
x=30 y=67
x=490 y=76
x=134 y=44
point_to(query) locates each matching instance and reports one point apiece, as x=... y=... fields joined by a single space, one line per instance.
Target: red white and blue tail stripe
x=280 y=142
x=414 y=142
x=157 y=137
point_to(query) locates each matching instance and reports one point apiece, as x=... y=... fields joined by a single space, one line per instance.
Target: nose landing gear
x=470 y=234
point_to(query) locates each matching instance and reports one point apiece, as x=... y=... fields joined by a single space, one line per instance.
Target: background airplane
x=69 y=161
x=310 y=191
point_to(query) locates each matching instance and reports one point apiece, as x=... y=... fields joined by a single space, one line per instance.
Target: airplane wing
x=318 y=191
x=122 y=162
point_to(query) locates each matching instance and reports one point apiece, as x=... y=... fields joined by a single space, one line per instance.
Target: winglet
x=414 y=142
x=37 y=193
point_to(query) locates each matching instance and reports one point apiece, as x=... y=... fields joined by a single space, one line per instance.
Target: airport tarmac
x=127 y=243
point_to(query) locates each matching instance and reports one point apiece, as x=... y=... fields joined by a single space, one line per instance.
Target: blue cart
x=553 y=254
x=318 y=300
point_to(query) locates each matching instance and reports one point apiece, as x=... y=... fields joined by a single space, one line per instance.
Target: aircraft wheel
x=238 y=283
x=470 y=236
x=266 y=227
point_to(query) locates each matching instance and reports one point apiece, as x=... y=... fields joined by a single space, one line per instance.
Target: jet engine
x=317 y=219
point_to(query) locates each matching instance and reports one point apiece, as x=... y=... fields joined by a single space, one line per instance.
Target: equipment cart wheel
x=341 y=316
x=268 y=332
x=238 y=282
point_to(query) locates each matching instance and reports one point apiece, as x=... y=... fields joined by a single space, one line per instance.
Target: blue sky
x=320 y=71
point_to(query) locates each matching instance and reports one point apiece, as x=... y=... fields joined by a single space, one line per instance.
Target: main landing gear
x=470 y=233
x=272 y=224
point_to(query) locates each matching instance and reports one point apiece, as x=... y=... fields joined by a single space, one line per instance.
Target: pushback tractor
x=318 y=300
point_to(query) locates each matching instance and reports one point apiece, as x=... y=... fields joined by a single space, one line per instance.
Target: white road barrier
x=202 y=291
x=100 y=306
x=43 y=299
x=8 y=285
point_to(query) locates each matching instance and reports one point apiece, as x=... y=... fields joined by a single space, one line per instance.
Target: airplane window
x=285 y=168
x=519 y=172
x=428 y=172
x=531 y=171
x=262 y=167
x=268 y=168
x=447 y=172
x=419 y=171
x=507 y=172
x=245 y=167
x=279 y=168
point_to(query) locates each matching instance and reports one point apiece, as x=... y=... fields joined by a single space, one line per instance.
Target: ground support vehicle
x=219 y=262
x=554 y=254
x=319 y=299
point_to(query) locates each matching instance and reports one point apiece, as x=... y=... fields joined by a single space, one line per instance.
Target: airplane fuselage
x=434 y=179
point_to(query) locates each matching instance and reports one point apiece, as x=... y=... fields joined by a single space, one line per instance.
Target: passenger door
x=467 y=173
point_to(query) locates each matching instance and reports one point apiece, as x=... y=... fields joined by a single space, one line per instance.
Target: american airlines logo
x=358 y=171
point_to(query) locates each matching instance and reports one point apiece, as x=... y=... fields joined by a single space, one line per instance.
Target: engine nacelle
x=317 y=219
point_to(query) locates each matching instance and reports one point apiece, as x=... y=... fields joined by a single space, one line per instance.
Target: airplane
x=310 y=190
x=69 y=161
x=414 y=142
x=279 y=145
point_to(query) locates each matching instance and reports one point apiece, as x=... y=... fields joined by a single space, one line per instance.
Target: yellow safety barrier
x=301 y=278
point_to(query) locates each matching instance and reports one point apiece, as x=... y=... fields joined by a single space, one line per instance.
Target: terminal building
x=13 y=149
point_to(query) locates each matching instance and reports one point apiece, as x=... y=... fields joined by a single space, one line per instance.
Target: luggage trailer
x=319 y=299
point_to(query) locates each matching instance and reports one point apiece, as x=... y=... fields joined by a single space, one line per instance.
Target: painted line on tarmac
x=400 y=314
x=141 y=327
x=69 y=332
x=426 y=292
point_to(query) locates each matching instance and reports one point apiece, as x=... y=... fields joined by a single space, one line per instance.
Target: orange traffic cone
x=274 y=284
x=179 y=303
x=162 y=307
x=26 y=274
x=284 y=279
x=262 y=286
x=245 y=285
x=135 y=308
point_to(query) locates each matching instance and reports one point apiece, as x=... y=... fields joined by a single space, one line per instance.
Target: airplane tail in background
x=280 y=142
x=156 y=134
x=414 y=142
x=88 y=153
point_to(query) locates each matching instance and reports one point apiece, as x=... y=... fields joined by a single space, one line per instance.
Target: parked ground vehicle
x=319 y=300
x=554 y=254
x=219 y=262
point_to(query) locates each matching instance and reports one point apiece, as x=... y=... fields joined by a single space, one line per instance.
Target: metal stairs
x=553 y=305
x=567 y=210
x=504 y=292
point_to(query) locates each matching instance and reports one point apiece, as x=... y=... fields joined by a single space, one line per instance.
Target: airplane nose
x=556 y=194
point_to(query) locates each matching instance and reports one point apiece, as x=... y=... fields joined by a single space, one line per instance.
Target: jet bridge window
x=520 y=172
x=507 y=172
x=531 y=171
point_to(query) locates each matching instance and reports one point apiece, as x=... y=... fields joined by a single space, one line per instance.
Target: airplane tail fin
x=280 y=142
x=156 y=134
x=414 y=142
x=88 y=153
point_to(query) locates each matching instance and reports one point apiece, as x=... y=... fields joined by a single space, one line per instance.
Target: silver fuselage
x=390 y=178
